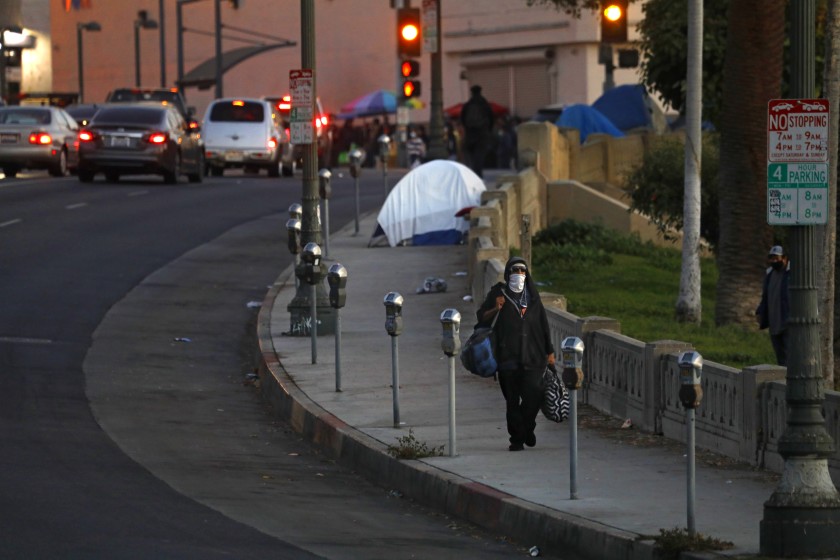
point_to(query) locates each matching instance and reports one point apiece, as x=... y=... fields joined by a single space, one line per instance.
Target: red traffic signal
x=409 y=68
x=614 y=21
x=409 y=35
x=410 y=88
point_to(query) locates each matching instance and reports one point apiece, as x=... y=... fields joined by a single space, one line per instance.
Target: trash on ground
x=395 y=494
x=432 y=284
x=181 y=339
x=459 y=273
x=253 y=304
x=627 y=424
x=534 y=551
x=468 y=297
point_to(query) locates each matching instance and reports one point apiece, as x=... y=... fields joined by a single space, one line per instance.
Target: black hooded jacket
x=521 y=340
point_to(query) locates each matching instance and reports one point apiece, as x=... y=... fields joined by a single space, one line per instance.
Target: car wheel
x=288 y=170
x=112 y=177
x=198 y=176
x=10 y=172
x=216 y=171
x=171 y=177
x=86 y=176
x=275 y=169
x=60 y=167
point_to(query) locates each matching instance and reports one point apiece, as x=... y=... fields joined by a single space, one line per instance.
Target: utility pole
x=437 y=143
x=803 y=513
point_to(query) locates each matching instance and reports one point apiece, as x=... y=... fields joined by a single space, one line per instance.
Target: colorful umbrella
x=454 y=112
x=375 y=103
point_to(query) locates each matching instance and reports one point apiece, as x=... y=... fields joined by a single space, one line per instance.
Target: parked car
x=37 y=138
x=83 y=112
x=168 y=96
x=139 y=139
x=323 y=132
x=243 y=133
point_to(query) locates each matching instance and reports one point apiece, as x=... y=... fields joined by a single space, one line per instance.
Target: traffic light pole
x=803 y=513
x=437 y=143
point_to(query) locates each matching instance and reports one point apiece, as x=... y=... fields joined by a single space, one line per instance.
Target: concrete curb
x=526 y=522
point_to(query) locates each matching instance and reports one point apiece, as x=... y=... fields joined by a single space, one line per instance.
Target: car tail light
x=324 y=120
x=285 y=103
x=193 y=125
x=272 y=143
x=288 y=133
x=157 y=137
x=86 y=136
x=41 y=138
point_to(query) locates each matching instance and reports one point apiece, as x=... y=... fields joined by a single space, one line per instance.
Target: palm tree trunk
x=752 y=76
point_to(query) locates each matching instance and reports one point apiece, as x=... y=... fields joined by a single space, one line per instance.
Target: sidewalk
x=626 y=493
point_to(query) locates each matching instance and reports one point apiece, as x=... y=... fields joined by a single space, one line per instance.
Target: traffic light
x=614 y=21
x=409 y=36
x=410 y=69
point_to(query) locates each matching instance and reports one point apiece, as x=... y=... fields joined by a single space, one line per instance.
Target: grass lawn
x=637 y=284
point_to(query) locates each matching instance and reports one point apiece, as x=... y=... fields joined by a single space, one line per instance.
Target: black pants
x=523 y=394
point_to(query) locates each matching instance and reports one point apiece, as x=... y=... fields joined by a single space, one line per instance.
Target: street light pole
x=144 y=22
x=161 y=16
x=803 y=513
x=89 y=26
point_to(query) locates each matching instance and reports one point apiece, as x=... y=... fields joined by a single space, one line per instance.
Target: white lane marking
x=75 y=206
x=138 y=193
x=25 y=340
x=11 y=222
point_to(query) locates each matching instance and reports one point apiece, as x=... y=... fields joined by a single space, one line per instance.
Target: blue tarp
x=588 y=120
x=627 y=106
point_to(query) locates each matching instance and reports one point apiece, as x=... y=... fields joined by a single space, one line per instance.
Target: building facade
x=523 y=56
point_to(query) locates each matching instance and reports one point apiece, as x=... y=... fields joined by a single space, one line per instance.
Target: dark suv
x=167 y=96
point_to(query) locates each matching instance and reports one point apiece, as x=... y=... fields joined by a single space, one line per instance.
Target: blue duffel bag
x=477 y=353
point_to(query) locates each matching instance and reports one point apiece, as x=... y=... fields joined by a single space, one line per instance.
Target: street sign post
x=301 y=116
x=797 y=162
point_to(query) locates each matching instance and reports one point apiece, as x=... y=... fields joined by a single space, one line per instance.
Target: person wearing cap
x=477 y=119
x=774 y=309
x=523 y=348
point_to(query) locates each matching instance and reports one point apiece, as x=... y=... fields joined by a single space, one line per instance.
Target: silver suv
x=243 y=133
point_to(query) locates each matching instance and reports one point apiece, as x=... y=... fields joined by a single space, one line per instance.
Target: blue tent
x=629 y=106
x=588 y=120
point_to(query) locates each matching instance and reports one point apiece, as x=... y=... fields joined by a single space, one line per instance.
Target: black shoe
x=515 y=447
x=531 y=440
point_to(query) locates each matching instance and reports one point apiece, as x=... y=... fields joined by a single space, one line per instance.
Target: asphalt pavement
x=629 y=485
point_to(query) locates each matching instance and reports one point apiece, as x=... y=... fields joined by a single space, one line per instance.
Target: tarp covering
x=422 y=205
x=587 y=120
x=629 y=106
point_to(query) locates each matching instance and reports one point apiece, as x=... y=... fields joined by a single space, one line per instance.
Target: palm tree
x=752 y=76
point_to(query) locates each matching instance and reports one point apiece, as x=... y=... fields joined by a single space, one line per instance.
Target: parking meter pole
x=337 y=350
x=313 y=313
x=356 y=180
x=572 y=352
x=326 y=228
x=325 y=192
x=690 y=480
x=690 y=395
x=395 y=379
x=384 y=179
x=450 y=320
x=356 y=157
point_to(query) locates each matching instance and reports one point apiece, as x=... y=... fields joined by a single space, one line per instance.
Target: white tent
x=421 y=207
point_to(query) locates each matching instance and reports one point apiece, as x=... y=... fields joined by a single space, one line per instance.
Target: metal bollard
x=325 y=191
x=450 y=319
x=572 y=351
x=311 y=257
x=356 y=158
x=337 y=280
x=691 y=368
x=393 y=326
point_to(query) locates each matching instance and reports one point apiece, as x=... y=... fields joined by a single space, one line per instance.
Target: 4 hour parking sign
x=797 y=162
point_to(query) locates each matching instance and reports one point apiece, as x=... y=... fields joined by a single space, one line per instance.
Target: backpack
x=474 y=116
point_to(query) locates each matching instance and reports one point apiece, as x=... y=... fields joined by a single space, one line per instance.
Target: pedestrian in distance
x=477 y=119
x=774 y=309
x=415 y=147
x=523 y=348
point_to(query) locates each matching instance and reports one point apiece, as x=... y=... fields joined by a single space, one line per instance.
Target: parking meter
x=450 y=319
x=393 y=313
x=337 y=280
x=691 y=368
x=311 y=257
x=324 y=188
x=384 y=147
x=293 y=228
x=296 y=211
x=571 y=350
x=356 y=157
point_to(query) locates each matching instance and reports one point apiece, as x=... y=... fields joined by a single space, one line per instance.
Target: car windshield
x=237 y=111
x=128 y=115
x=16 y=115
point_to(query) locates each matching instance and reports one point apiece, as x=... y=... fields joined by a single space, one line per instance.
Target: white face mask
x=516 y=282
